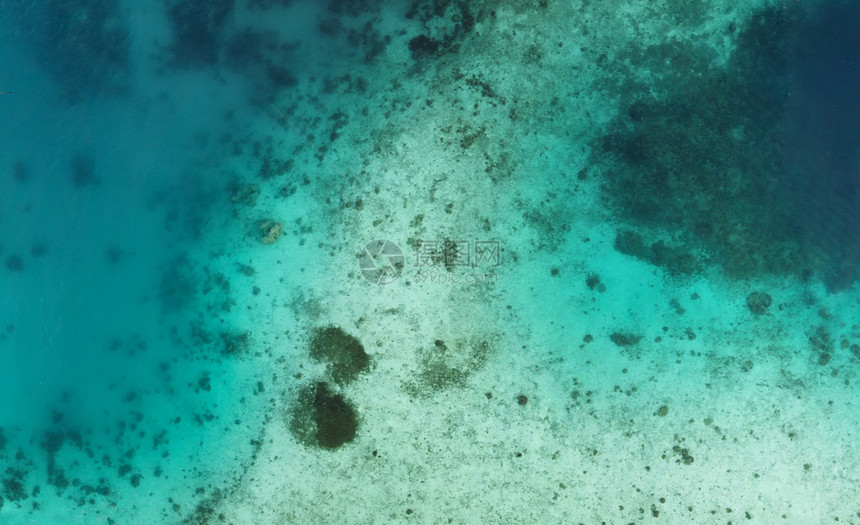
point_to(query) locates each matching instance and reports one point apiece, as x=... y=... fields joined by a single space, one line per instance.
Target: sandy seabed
x=383 y=262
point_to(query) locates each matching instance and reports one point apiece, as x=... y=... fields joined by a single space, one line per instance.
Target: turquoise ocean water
x=282 y=261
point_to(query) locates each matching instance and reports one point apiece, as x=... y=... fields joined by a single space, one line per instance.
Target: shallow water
x=369 y=262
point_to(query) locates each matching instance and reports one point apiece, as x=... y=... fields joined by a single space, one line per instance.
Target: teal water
x=433 y=262
x=107 y=189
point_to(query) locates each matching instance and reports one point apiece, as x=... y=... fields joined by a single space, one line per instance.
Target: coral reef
x=322 y=417
x=270 y=230
x=198 y=30
x=86 y=47
x=758 y=302
x=344 y=353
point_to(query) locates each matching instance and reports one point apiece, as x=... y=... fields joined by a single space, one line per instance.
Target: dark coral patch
x=336 y=420
x=323 y=417
x=344 y=353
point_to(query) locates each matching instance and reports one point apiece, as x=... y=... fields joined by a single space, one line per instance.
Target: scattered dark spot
x=83 y=171
x=85 y=46
x=20 y=172
x=622 y=339
x=14 y=263
x=13 y=486
x=235 y=343
x=39 y=250
x=686 y=458
x=114 y=255
x=631 y=243
x=422 y=46
x=758 y=302
x=197 y=29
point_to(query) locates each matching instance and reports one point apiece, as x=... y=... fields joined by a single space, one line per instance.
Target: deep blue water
x=823 y=173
